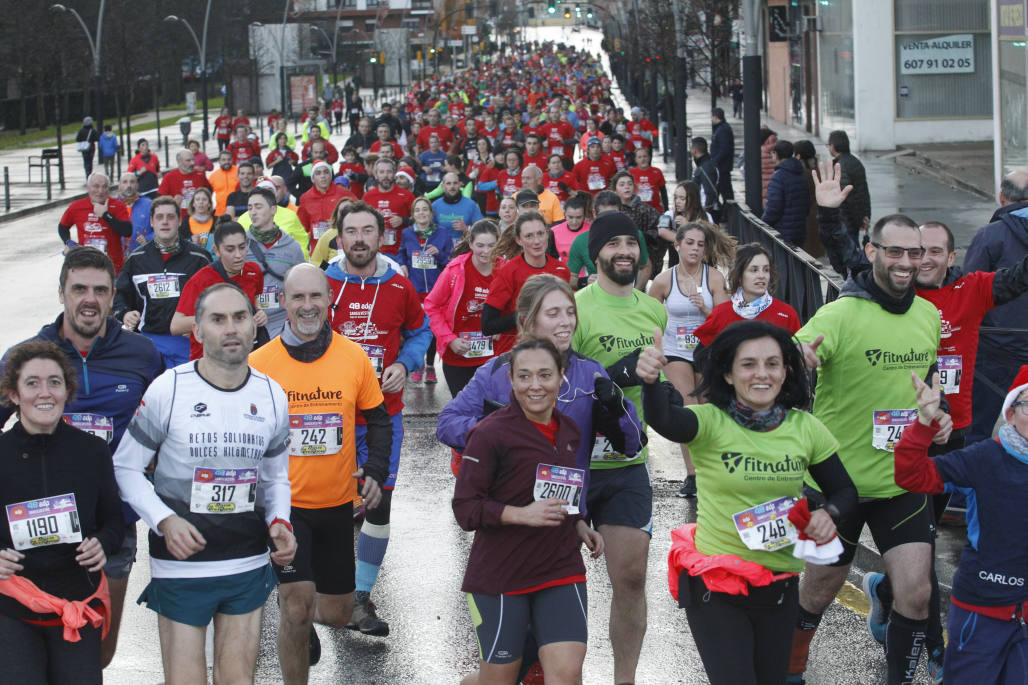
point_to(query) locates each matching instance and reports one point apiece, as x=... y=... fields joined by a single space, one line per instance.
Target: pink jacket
x=441 y=304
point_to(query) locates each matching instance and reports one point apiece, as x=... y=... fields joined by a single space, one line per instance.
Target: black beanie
x=608 y=225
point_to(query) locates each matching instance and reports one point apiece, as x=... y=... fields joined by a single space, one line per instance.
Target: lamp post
x=201 y=46
x=94 y=48
x=332 y=43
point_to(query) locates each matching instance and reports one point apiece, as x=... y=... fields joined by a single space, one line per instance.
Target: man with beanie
x=615 y=322
x=318 y=203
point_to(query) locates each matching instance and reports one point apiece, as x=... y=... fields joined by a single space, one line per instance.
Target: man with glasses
x=866 y=344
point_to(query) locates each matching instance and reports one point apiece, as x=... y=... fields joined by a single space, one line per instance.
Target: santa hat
x=320 y=163
x=408 y=172
x=1019 y=386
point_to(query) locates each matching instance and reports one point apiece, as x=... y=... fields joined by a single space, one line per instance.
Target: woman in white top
x=689 y=290
x=685 y=208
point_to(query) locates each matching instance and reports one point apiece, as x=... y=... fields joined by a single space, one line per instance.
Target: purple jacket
x=575 y=400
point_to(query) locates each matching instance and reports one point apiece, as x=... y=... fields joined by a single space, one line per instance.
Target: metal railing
x=803 y=282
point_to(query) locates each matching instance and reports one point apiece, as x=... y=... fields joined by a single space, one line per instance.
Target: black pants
x=743 y=640
x=430 y=353
x=39 y=655
x=87 y=162
x=458 y=376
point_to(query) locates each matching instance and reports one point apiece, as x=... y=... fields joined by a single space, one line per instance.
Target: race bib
x=315 y=434
x=604 y=451
x=766 y=527
x=96 y=424
x=188 y=191
x=432 y=176
x=685 y=340
x=889 y=425
x=319 y=229
x=557 y=150
x=597 y=183
x=376 y=353
x=560 y=482
x=162 y=286
x=645 y=193
x=97 y=243
x=44 y=522
x=478 y=345
x=420 y=260
x=390 y=237
x=268 y=298
x=950 y=371
x=223 y=491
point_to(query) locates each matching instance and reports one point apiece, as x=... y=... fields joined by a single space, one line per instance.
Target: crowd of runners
x=230 y=362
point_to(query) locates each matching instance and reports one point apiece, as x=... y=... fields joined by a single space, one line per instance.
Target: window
x=835 y=56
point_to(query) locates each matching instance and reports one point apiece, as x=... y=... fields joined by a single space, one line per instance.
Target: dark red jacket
x=499 y=469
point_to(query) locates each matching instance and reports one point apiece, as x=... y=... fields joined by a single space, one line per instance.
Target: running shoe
x=430 y=375
x=415 y=376
x=315 y=648
x=935 y=665
x=878 y=612
x=366 y=620
x=688 y=487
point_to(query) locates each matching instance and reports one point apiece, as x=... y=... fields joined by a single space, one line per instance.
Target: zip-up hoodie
x=132 y=289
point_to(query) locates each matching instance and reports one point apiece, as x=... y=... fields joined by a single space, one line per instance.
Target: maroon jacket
x=499 y=468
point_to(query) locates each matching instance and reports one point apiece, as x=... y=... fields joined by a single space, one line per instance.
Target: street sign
x=468 y=30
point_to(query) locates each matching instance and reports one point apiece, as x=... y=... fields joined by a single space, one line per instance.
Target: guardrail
x=803 y=282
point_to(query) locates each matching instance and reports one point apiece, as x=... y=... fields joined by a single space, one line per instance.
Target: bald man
x=139 y=212
x=453 y=210
x=549 y=204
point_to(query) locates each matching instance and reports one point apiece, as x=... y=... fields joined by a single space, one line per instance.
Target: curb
x=35 y=209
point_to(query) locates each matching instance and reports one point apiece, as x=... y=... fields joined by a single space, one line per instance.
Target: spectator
x=85 y=142
x=856 y=209
x=706 y=176
x=109 y=146
x=805 y=152
x=722 y=151
x=788 y=197
x=768 y=138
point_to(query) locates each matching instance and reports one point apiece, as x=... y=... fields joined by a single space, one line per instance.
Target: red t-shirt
x=619 y=158
x=93 y=231
x=507 y=184
x=445 y=136
x=396 y=202
x=539 y=160
x=507 y=286
x=245 y=121
x=553 y=185
x=638 y=130
x=555 y=135
x=779 y=313
x=176 y=183
x=962 y=305
x=243 y=150
x=223 y=127
x=648 y=183
x=492 y=200
x=397 y=150
x=250 y=279
x=468 y=315
x=374 y=317
x=594 y=176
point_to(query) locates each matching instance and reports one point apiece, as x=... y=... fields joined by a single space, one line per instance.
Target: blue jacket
x=108 y=145
x=1002 y=244
x=140 y=216
x=447 y=212
x=722 y=147
x=424 y=279
x=788 y=201
x=492 y=382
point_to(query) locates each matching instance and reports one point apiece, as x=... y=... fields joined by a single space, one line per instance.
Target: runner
x=113 y=368
x=392 y=202
x=223 y=129
x=220 y=432
x=876 y=334
x=63 y=519
x=646 y=219
x=745 y=597
x=236 y=203
x=285 y=217
x=230 y=245
x=139 y=213
x=558 y=180
x=148 y=288
x=690 y=291
x=542 y=593
x=453 y=210
x=578 y=207
x=612 y=325
x=224 y=181
x=100 y=221
x=549 y=205
x=376 y=307
x=751 y=281
x=454 y=306
x=649 y=180
x=146 y=166
x=275 y=252
x=199 y=224
x=593 y=173
x=180 y=183
x=328 y=380
x=318 y=203
x=686 y=208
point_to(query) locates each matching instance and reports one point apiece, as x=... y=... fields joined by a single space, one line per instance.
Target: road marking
x=852 y=597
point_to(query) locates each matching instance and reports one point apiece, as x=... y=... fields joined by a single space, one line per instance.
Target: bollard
x=7 y=189
x=119 y=164
x=167 y=157
x=49 y=190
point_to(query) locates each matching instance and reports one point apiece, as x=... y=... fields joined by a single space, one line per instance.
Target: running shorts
x=621 y=497
x=195 y=601
x=324 y=550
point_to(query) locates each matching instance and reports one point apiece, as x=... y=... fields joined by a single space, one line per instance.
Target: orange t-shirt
x=324 y=397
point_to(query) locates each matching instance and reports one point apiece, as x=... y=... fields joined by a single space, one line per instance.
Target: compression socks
x=806 y=626
x=934 y=639
x=904 y=642
x=371 y=549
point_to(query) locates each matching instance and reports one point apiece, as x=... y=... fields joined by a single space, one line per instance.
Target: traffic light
x=589 y=14
x=382 y=57
x=551 y=9
x=374 y=58
x=567 y=13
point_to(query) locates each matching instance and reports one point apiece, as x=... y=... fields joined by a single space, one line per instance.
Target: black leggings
x=743 y=640
x=430 y=353
x=458 y=376
x=39 y=655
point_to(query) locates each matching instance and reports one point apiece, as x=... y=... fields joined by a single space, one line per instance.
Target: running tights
x=39 y=655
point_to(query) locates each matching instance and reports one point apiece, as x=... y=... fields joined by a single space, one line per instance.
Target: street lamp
x=201 y=46
x=94 y=48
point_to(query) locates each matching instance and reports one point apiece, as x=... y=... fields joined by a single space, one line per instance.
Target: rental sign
x=941 y=55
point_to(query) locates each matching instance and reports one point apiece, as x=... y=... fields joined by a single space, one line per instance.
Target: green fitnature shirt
x=866 y=359
x=611 y=327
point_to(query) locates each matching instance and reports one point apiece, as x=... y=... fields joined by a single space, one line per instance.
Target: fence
x=803 y=282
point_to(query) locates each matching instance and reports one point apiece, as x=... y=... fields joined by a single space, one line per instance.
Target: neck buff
x=309 y=351
x=865 y=279
x=426 y=232
x=1014 y=443
x=751 y=419
x=751 y=310
x=170 y=249
x=267 y=237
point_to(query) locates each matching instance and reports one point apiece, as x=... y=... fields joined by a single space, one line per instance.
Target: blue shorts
x=173 y=348
x=195 y=601
x=361 y=434
x=984 y=650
